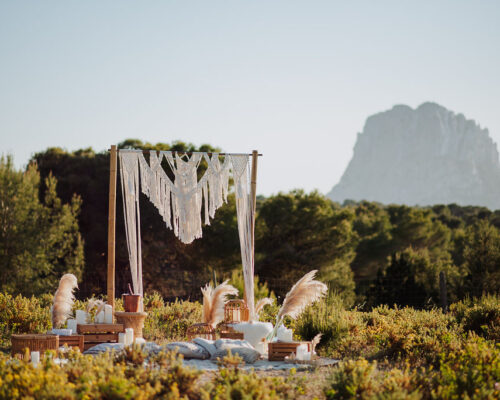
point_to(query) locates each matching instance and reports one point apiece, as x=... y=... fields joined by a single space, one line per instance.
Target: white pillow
x=224 y=344
x=189 y=350
x=208 y=345
x=249 y=355
x=103 y=347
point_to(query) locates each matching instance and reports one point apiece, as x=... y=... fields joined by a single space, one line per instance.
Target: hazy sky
x=293 y=79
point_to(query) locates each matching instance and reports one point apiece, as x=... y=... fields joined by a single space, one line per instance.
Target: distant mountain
x=425 y=156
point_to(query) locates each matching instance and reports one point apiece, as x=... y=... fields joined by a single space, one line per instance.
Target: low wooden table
x=134 y=320
x=95 y=334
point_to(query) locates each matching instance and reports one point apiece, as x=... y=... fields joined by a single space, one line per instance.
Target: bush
x=100 y=377
x=472 y=372
x=231 y=383
x=481 y=316
x=362 y=379
x=22 y=315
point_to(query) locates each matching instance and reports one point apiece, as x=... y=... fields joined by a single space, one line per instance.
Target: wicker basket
x=33 y=342
x=134 y=320
x=236 y=311
x=202 y=330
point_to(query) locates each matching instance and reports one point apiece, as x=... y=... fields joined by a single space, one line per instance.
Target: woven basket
x=202 y=330
x=33 y=342
x=236 y=311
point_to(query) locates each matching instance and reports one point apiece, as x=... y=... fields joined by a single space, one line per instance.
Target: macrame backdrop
x=180 y=202
x=129 y=172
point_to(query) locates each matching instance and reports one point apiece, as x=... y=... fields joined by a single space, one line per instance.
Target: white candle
x=140 y=340
x=35 y=357
x=99 y=318
x=121 y=338
x=129 y=336
x=108 y=314
x=301 y=351
x=72 y=325
x=81 y=317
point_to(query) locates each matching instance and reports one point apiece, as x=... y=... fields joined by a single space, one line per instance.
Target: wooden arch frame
x=112 y=215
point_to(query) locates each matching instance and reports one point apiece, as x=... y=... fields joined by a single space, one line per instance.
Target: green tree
x=482 y=259
x=39 y=238
x=298 y=232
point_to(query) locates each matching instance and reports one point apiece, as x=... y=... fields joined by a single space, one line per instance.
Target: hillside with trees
x=368 y=253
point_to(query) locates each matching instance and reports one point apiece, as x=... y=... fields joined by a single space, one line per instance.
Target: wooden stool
x=134 y=320
x=34 y=342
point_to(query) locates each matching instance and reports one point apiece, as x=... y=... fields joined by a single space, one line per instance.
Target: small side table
x=134 y=320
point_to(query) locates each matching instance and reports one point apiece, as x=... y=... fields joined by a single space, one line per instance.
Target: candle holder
x=236 y=310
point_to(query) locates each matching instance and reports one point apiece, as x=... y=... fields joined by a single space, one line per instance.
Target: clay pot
x=131 y=302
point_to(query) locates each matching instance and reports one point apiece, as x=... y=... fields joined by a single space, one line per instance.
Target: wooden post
x=443 y=291
x=111 y=226
x=253 y=191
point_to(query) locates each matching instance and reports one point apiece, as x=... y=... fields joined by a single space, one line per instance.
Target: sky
x=295 y=80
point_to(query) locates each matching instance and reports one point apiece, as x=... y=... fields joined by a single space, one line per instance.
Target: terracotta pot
x=131 y=302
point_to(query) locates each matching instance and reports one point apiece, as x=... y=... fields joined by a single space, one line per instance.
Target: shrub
x=171 y=321
x=22 y=315
x=470 y=372
x=481 y=316
x=100 y=377
x=232 y=383
x=362 y=379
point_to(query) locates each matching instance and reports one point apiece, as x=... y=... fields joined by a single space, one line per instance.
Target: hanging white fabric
x=129 y=172
x=245 y=214
x=180 y=202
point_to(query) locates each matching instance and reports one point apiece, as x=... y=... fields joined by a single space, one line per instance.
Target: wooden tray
x=277 y=351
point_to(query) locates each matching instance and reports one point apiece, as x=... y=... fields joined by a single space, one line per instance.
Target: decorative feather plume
x=63 y=300
x=305 y=292
x=315 y=341
x=214 y=300
x=94 y=304
x=262 y=303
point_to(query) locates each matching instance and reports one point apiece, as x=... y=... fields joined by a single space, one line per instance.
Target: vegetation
x=368 y=253
x=384 y=353
x=381 y=263
x=39 y=235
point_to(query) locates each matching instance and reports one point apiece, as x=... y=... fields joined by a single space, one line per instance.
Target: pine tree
x=39 y=238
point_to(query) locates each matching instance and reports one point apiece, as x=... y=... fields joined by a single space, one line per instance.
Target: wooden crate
x=95 y=334
x=232 y=335
x=72 y=341
x=226 y=331
x=279 y=350
x=34 y=342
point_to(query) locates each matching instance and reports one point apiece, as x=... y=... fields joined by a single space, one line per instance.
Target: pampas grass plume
x=63 y=300
x=214 y=300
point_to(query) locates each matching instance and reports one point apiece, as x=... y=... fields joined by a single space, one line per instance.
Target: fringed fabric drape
x=180 y=202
